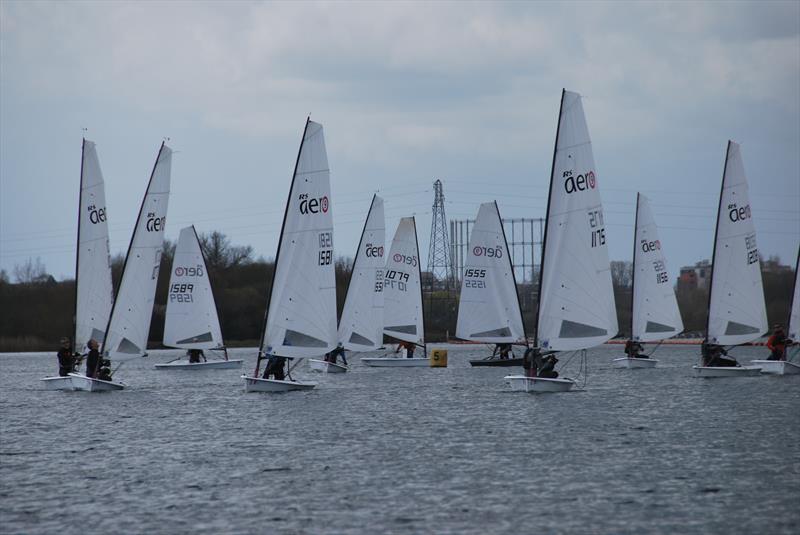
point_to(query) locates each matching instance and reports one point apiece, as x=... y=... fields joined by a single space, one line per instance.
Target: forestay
x=402 y=290
x=361 y=326
x=737 y=312
x=794 y=313
x=655 y=313
x=129 y=325
x=191 y=319
x=301 y=320
x=94 y=292
x=488 y=309
x=576 y=307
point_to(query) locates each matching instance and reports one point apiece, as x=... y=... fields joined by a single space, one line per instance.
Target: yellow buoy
x=439 y=358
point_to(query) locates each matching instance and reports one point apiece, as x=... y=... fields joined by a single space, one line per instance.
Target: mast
x=513 y=275
x=360 y=241
x=546 y=222
x=78 y=253
x=794 y=289
x=278 y=253
x=130 y=245
x=419 y=275
x=716 y=234
x=633 y=268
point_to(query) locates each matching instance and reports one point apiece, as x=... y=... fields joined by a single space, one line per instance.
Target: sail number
x=396 y=279
x=752 y=248
x=661 y=271
x=181 y=293
x=325 y=248
x=378 y=281
x=471 y=274
x=598 y=229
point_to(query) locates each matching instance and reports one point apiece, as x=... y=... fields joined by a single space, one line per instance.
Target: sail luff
x=633 y=265
x=78 y=252
x=793 y=326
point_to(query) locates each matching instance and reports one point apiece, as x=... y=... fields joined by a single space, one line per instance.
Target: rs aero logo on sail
x=155 y=224
x=96 y=215
x=578 y=183
x=313 y=205
x=738 y=214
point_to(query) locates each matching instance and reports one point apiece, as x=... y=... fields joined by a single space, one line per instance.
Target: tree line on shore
x=39 y=310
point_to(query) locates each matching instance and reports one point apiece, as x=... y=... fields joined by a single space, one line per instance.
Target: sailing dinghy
x=361 y=325
x=489 y=309
x=737 y=313
x=403 y=316
x=191 y=321
x=94 y=293
x=301 y=306
x=654 y=309
x=790 y=366
x=576 y=308
x=129 y=322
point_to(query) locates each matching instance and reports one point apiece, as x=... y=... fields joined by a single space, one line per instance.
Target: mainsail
x=94 y=294
x=129 y=324
x=301 y=317
x=655 y=314
x=794 y=313
x=576 y=303
x=191 y=320
x=488 y=309
x=403 y=317
x=736 y=312
x=361 y=326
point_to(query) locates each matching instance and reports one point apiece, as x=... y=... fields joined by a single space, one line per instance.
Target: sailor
x=715 y=356
x=275 y=366
x=633 y=348
x=546 y=366
x=195 y=355
x=104 y=373
x=66 y=363
x=529 y=362
x=777 y=344
x=335 y=354
x=503 y=349
x=93 y=359
x=408 y=346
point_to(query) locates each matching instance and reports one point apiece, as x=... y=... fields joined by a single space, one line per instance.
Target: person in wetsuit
x=66 y=361
x=276 y=367
x=92 y=359
x=408 y=346
x=715 y=356
x=503 y=350
x=334 y=355
x=633 y=349
x=546 y=366
x=777 y=344
x=195 y=355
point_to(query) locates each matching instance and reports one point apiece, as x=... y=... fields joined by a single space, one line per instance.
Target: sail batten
x=576 y=308
x=191 y=308
x=737 y=311
x=488 y=309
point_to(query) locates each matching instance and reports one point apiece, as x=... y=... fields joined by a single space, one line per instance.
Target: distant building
x=696 y=276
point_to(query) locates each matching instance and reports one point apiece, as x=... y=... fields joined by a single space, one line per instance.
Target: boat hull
x=184 y=364
x=628 y=362
x=326 y=367
x=395 y=362
x=57 y=383
x=496 y=362
x=777 y=367
x=254 y=384
x=521 y=383
x=88 y=384
x=726 y=371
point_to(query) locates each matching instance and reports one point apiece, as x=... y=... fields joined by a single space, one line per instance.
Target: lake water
x=404 y=451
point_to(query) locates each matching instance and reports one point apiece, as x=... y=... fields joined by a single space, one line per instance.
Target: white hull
x=57 y=383
x=184 y=364
x=87 y=384
x=521 y=383
x=254 y=384
x=777 y=367
x=627 y=362
x=726 y=371
x=395 y=362
x=326 y=367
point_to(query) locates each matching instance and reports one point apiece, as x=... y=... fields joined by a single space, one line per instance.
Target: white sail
x=94 y=292
x=361 y=326
x=129 y=325
x=301 y=321
x=402 y=289
x=794 y=314
x=737 y=312
x=576 y=308
x=488 y=309
x=191 y=320
x=655 y=313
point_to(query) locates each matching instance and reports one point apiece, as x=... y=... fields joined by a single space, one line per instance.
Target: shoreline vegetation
x=39 y=310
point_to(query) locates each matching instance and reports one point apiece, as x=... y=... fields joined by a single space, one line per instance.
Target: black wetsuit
x=275 y=367
x=92 y=363
x=65 y=362
x=335 y=354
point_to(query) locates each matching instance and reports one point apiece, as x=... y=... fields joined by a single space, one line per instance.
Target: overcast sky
x=407 y=92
